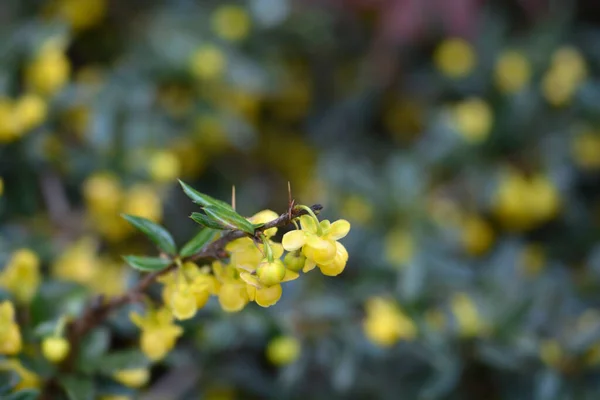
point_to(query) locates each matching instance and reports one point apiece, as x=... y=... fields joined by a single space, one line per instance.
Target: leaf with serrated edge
x=147 y=264
x=155 y=232
x=198 y=242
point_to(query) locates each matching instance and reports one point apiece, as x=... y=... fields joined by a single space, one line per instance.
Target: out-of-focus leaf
x=155 y=232
x=94 y=345
x=27 y=394
x=206 y=221
x=8 y=380
x=118 y=360
x=147 y=264
x=196 y=244
x=78 y=387
x=202 y=199
x=230 y=219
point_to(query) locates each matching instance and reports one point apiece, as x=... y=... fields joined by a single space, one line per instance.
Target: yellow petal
x=293 y=240
x=308 y=224
x=290 y=276
x=309 y=265
x=250 y=279
x=339 y=229
x=325 y=225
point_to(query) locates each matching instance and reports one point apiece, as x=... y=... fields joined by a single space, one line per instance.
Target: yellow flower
x=183 y=302
x=270 y=272
x=455 y=58
x=82 y=14
x=55 y=348
x=10 y=127
x=550 y=352
x=385 y=323
x=28 y=379
x=473 y=119
x=48 y=72
x=78 y=262
x=477 y=235
x=158 y=332
x=231 y=22
x=513 y=71
x=10 y=334
x=466 y=314
x=102 y=193
x=567 y=71
x=143 y=201
x=21 y=276
x=164 y=167
x=133 y=378
x=585 y=150
x=265 y=216
x=207 y=62
x=283 y=350
x=30 y=111
x=399 y=247
x=264 y=297
x=319 y=243
x=233 y=296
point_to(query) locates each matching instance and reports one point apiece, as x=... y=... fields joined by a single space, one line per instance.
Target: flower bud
x=294 y=261
x=270 y=273
x=55 y=348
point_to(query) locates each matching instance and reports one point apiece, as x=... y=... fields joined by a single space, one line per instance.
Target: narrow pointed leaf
x=155 y=232
x=207 y=221
x=196 y=244
x=202 y=199
x=230 y=219
x=147 y=264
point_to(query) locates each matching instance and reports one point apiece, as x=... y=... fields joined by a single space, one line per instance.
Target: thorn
x=233 y=197
x=290 y=201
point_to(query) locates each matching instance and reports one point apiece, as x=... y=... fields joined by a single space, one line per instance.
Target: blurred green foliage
x=460 y=139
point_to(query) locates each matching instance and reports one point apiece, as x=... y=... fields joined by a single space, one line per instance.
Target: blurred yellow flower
x=513 y=71
x=473 y=119
x=467 y=317
x=81 y=14
x=477 y=235
x=358 y=209
x=28 y=379
x=10 y=334
x=48 y=72
x=532 y=260
x=55 y=348
x=133 y=378
x=283 y=350
x=78 y=262
x=103 y=193
x=231 y=22
x=551 y=352
x=455 y=58
x=399 y=247
x=585 y=150
x=21 y=276
x=159 y=334
x=220 y=393
x=30 y=110
x=208 y=62
x=566 y=73
x=211 y=134
x=385 y=323
x=233 y=297
x=164 y=166
x=143 y=200
x=10 y=127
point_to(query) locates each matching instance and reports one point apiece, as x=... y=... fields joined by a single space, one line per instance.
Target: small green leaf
x=202 y=199
x=155 y=232
x=27 y=394
x=196 y=244
x=230 y=218
x=206 y=221
x=147 y=264
x=78 y=387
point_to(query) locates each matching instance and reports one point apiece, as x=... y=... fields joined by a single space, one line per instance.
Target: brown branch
x=99 y=309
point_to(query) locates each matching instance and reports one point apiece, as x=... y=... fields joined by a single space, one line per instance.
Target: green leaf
x=27 y=394
x=78 y=387
x=230 y=219
x=147 y=264
x=202 y=199
x=94 y=345
x=155 y=232
x=196 y=244
x=122 y=359
x=206 y=221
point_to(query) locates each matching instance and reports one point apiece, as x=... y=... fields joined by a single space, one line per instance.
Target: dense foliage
x=459 y=138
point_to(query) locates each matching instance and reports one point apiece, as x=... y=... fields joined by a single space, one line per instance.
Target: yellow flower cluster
x=21 y=115
x=385 y=323
x=567 y=72
x=10 y=334
x=159 y=333
x=106 y=199
x=522 y=202
x=21 y=276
